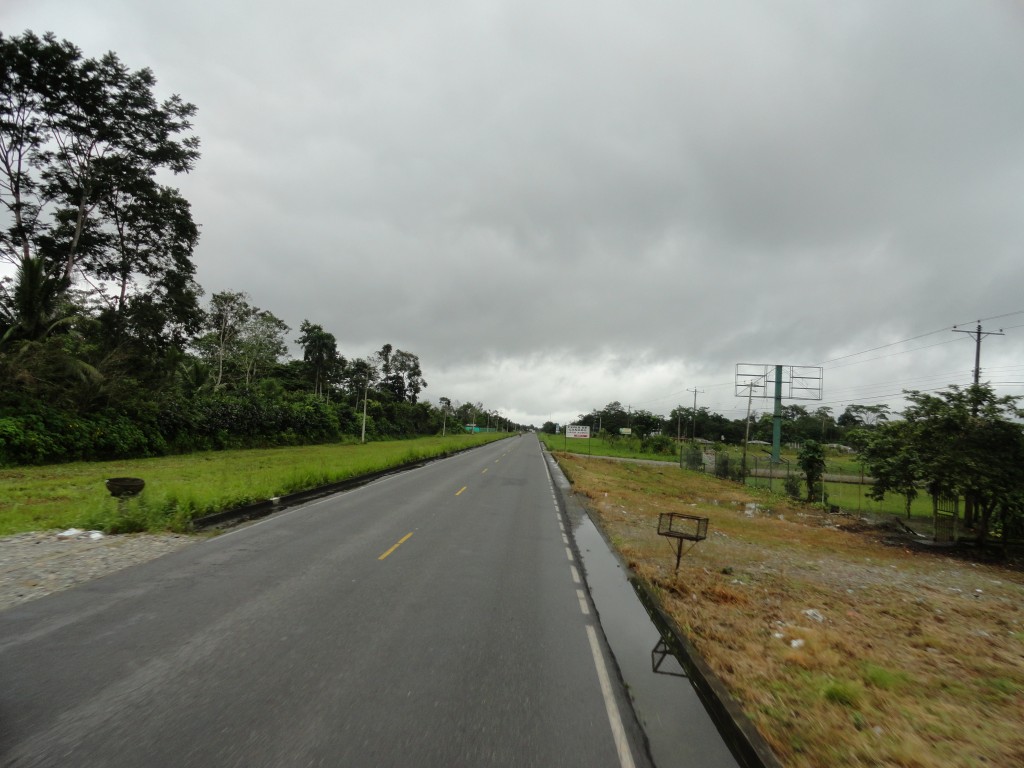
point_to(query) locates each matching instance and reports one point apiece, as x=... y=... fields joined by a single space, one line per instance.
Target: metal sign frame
x=798 y=382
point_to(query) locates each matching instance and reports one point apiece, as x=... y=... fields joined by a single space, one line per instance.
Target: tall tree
x=261 y=343
x=82 y=142
x=74 y=132
x=241 y=340
x=320 y=356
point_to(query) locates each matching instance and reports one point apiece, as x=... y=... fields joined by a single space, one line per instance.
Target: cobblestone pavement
x=36 y=564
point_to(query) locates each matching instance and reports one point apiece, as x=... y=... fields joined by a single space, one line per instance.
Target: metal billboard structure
x=793 y=382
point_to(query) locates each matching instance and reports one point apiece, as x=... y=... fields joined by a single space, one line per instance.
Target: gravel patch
x=36 y=564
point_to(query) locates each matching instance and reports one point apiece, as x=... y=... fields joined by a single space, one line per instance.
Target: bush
x=792 y=486
x=659 y=444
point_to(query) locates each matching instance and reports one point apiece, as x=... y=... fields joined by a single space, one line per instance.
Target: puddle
x=679 y=730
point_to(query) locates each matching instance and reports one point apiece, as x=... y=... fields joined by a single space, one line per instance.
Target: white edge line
x=614 y=718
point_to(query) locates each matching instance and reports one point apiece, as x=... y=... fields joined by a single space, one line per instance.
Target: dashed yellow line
x=401 y=541
x=460 y=490
x=484 y=472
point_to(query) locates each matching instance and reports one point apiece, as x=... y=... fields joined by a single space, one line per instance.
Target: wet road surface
x=432 y=618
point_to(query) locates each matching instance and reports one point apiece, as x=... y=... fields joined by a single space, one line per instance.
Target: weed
x=885 y=679
x=845 y=692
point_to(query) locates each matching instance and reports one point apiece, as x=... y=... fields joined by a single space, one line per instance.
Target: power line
x=893 y=354
x=876 y=397
x=883 y=346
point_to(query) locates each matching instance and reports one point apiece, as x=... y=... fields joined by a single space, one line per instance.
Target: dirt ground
x=845 y=641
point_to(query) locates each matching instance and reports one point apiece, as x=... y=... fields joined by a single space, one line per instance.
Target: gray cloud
x=560 y=204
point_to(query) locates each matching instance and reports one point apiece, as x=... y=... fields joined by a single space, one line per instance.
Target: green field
x=850 y=496
x=621 y=447
x=182 y=488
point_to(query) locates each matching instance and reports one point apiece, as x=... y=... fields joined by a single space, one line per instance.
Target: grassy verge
x=851 y=496
x=843 y=650
x=181 y=488
x=620 y=447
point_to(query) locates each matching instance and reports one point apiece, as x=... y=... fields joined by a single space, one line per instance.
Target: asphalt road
x=433 y=618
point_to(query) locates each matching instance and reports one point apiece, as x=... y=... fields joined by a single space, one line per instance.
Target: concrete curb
x=748 y=746
x=745 y=742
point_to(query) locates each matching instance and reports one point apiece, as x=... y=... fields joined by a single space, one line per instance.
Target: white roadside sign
x=577 y=431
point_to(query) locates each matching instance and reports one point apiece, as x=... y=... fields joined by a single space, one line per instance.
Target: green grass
x=844 y=692
x=884 y=678
x=181 y=488
x=619 y=447
x=852 y=497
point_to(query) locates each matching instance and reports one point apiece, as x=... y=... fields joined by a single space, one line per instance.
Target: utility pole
x=978 y=336
x=693 y=415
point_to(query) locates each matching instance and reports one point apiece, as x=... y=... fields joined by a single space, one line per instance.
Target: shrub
x=659 y=444
x=792 y=486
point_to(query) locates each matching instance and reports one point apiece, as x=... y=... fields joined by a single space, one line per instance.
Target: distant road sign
x=577 y=431
x=625 y=431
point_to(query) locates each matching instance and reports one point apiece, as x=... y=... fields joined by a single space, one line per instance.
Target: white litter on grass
x=813 y=614
x=798 y=643
x=78 y=533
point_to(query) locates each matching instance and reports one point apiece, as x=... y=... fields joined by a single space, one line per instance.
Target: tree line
x=799 y=423
x=963 y=446
x=107 y=349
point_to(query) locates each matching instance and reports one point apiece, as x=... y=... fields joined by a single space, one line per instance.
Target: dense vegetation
x=798 y=423
x=963 y=447
x=106 y=347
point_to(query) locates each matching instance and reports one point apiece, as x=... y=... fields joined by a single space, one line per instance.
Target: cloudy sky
x=559 y=203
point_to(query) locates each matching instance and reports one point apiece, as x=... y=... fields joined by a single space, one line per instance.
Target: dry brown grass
x=917 y=661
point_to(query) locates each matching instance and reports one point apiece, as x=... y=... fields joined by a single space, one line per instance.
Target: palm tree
x=35 y=306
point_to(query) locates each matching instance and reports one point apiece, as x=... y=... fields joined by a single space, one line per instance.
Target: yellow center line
x=484 y=472
x=401 y=541
x=460 y=490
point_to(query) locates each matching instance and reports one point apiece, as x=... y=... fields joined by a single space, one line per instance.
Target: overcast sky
x=557 y=204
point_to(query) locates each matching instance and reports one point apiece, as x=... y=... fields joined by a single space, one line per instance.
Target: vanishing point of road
x=436 y=617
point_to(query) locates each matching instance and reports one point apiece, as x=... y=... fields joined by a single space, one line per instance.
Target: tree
x=812 y=461
x=613 y=417
x=75 y=133
x=964 y=441
x=150 y=263
x=320 y=356
x=242 y=340
x=446 y=407
x=33 y=307
x=401 y=376
x=890 y=454
x=227 y=315
x=261 y=343
x=863 y=416
x=82 y=142
x=645 y=422
x=970 y=442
